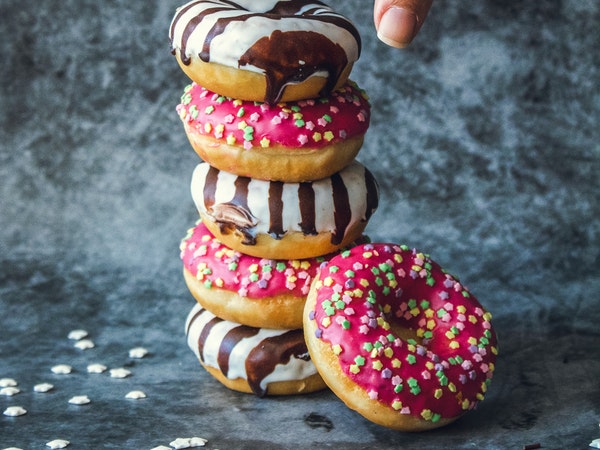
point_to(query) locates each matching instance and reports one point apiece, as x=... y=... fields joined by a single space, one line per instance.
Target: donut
x=276 y=220
x=267 y=50
x=263 y=293
x=397 y=338
x=252 y=360
x=293 y=142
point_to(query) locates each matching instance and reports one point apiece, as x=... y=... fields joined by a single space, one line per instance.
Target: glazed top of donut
x=258 y=355
x=330 y=205
x=287 y=40
x=366 y=293
x=313 y=123
x=217 y=266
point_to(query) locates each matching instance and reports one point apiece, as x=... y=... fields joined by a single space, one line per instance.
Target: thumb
x=398 y=21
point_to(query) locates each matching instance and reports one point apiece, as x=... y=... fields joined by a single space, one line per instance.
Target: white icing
x=295 y=369
x=258 y=193
x=228 y=47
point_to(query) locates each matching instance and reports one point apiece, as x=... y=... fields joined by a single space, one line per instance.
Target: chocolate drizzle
x=276 y=209
x=306 y=194
x=341 y=208
x=285 y=57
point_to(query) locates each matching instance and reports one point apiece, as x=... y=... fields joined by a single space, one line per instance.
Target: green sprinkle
x=441 y=312
x=340 y=304
x=430 y=281
x=455 y=330
x=368 y=346
x=295 y=108
x=346 y=324
x=221 y=99
x=411 y=359
x=398 y=388
x=280 y=267
x=208 y=284
x=267 y=268
x=299 y=123
x=193 y=111
x=346 y=253
x=327 y=118
x=390 y=337
x=254 y=277
x=428 y=334
x=232 y=266
x=334 y=269
x=386 y=290
x=375 y=271
x=378 y=345
x=378 y=281
x=412 y=303
x=359 y=361
x=186 y=99
x=411 y=341
x=424 y=304
x=209 y=109
x=385 y=267
x=412 y=382
x=465 y=294
x=349 y=273
x=241 y=112
x=436 y=417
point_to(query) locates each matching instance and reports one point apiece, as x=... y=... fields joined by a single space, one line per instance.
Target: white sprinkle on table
x=138 y=352
x=96 y=368
x=7 y=382
x=79 y=400
x=76 y=335
x=84 y=344
x=135 y=395
x=43 y=387
x=9 y=391
x=595 y=443
x=162 y=447
x=57 y=443
x=14 y=411
x=119 y=373
x=180 y=443
x=62 y=369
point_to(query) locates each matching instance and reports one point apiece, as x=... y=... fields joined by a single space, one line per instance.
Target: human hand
x=398 y=21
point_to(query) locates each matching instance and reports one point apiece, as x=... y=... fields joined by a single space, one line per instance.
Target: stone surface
x=485 y=141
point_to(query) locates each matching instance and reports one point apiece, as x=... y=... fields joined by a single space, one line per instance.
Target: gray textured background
x=484 y=139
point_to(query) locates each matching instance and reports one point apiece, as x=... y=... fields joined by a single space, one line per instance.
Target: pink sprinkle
x=407 y=315
x=254 y=117
x=363 y=329
x=305 y=290
x=396 y=380
x=457 y=287
x=461 y=318
x=303 y=139
x=423 y=273
x=484 y=368
x=337 y=288
x=310 y=125
x=448 y=306
x=426 y=375
x=466 y=364
x=357 y=266
x=422 y=322
x=405 y=410
x=373 y=395
x=403 y=306
x=460 y=326
x=334 y=109
x=243 y=292
x=349 y=311
x=229 y=118
x=322 y=122
x=477 y=357
x=479 y=311
x=419 y=261
x=361 y=117
x=346 y=299
x=340 y=319
x=247 y=145
x=401 y=273
x=486 y=325
x=284 y=114
x=204 y=93
x=276 y=120
x=290 y=286
x=264 y=107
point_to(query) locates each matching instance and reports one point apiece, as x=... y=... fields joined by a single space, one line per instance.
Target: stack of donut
x=290 y=297
x=277 y=124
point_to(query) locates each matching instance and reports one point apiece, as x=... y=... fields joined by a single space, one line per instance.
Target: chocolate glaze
x=285 y=57
x=341 y=208
x=276 y=209
x=306 y=194
x=230 y=340
x=272 y=351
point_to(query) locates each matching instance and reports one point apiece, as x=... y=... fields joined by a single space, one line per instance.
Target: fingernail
x=397 y=27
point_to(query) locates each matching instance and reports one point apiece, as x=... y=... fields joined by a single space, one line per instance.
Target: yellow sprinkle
x=388 y=352
x=494 y=350
x=397 y=405
x=219 y=129
x=430 y=324
x=265 y=143
x=231 y=139
x=429 y=313
x=377 y=365
x=492 y=367
x=396 y=363
x=206 y=238
x=472 y=319
x=367 y=255
x=393 y=283
x=237 y=102
x=364 y=282
x=454 y=345
x=450 y=335
x=219 y=282
x=317 y=136
x=387 y=309
x=328 y=136
x=411 y=348
x=354 y=369
x=420 y=332
x=438 y=393
x=451 y=387
x=398 y=258
x=479 y=396
x=420 y=256
x=426 y=414
x=483 y=387
x=472 y=340
x=242 y=125
x=253 y=268
x=337 y=349
x=358 y=293
x=374 y=353
x=465 y=404
x=487 y=316
x=429 y=365
x=207 y=127
x=318 y=284
x=328 y=281
x=326 y=322
x=461 y=309
x=291 y=279
x=415 y=312
x=305 y=264
x=417 y=268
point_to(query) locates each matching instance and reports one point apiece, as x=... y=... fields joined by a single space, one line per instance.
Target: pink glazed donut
x=397 y=338
x=292 y=142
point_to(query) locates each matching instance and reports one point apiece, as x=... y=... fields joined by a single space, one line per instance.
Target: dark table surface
x=484 y=139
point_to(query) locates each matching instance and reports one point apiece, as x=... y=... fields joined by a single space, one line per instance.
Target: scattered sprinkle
x=138 y=352
x=188 y=442
x=9 y=391
x=61 y=369
x=135 y=395
x=79 y=400
x=7 y=382
x=57 y=443
x=595 y=443
x=161 y=447
x=84 y=344
x=43 y=387
x=14 y=411
x=119 y=373
x=76 y=335
x=96 y=368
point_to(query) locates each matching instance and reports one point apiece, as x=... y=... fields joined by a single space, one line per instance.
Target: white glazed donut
x=276 y=220
x=252 y=360
x=264 y=50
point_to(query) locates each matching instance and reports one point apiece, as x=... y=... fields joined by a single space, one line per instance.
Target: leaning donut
x=252 y=360
x=397 y=338
x=292 y=142
x=275 y=220
x=270 y=50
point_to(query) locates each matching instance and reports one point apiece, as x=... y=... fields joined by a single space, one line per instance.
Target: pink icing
x=313 y=123
x=216 y=265
x=441 y=373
